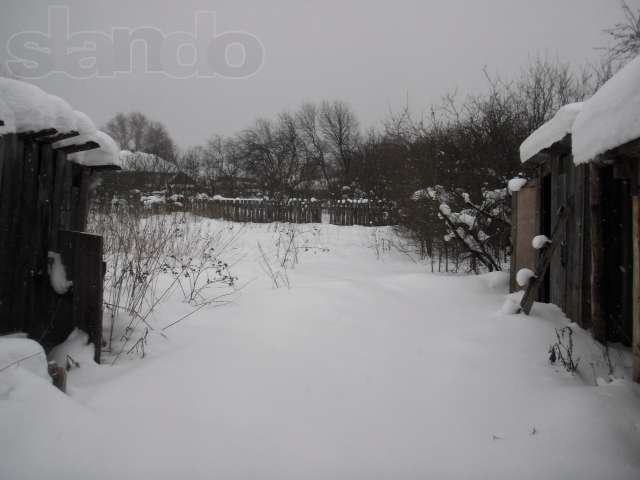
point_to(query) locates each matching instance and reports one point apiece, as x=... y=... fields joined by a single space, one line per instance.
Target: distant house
x=124 y=183
x=587 y=187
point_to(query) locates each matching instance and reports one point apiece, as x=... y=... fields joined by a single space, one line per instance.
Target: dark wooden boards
x=544 y=261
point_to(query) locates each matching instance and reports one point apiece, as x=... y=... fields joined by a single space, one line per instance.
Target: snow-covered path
x=366 y=368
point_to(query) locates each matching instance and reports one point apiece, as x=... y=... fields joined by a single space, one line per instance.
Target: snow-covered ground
x=366 y=367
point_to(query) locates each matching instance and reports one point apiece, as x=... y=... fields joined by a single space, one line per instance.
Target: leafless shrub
x=562 y=350
x=148 y=259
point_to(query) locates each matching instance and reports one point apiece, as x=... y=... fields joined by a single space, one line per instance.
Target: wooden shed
x=51 y=272
x=590 y=205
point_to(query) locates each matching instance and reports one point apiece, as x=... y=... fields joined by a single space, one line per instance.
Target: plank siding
x=41 y=193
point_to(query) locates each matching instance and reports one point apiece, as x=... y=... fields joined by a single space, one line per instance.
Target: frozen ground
x=367 y=367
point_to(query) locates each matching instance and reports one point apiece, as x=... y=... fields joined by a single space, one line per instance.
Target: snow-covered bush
x=478 y=231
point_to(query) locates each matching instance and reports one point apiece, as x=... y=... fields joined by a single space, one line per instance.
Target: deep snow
x=367 y=367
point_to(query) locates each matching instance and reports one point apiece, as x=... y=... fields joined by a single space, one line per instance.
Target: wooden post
x=598 y=321
x=636 y=289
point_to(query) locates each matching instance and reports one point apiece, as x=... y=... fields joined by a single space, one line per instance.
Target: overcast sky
x=372 y=54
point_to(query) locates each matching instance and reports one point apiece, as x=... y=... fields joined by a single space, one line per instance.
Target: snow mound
x=540 y=241
x=516 y=184
x=25 y=354
x=510 y=306
x=524 y=276
x=496 y=281
x=551 y=132
x=58 y=274
x=611 y=117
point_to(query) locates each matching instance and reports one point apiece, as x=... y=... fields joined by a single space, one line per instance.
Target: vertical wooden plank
x=22 y=230
x=46 y=301
x=9 y=193
x=578 y=246
x=82 y=256
x=83 y=199
x=513 y=286
x=598 y=321
x=3 y=141
x=526 y=227
x=636 y=289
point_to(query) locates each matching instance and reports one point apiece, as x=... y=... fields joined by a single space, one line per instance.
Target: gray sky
x=372 y=54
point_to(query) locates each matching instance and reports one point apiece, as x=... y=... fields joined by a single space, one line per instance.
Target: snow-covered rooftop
x=551 y=132
x=107 y=154
x=27 y=108
x=611 y=117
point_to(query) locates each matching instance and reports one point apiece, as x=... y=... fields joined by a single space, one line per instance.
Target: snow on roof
x=84 y=125
x=107 y=154
x=551 y=132
x=31 y=108
x=27 y=108
x=611 y=117
x=6 y=115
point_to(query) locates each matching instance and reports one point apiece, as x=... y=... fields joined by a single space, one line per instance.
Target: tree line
x=465 y=148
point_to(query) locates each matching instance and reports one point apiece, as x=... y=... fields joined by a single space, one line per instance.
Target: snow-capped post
x=540 y=241
x=524 y=276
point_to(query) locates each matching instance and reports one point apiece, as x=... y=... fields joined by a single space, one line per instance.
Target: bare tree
x=341 y=132
x=274 y=155
x=314 y=144
x=191 y=161
x=625 y=36
x=544 y=86
x=135 y=132
x=146 y=162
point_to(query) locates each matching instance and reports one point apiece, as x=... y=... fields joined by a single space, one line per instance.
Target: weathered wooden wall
x=570 y=266
x=41 y=193
x=569 y=272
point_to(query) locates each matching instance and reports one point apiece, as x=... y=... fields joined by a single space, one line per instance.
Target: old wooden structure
x=44 y=199
x=593 y=272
